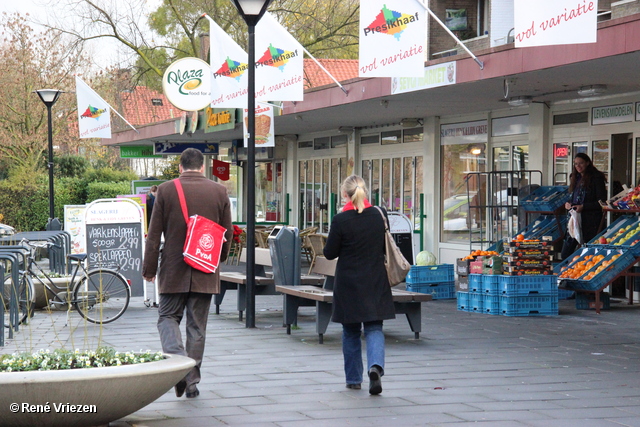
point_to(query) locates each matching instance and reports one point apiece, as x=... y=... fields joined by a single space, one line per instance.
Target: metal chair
x=306 y=246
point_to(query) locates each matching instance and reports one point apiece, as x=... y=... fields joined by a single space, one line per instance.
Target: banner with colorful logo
x=229 y=76
x=392 y=36
x=94 y=118
x=553 y=22
x=264 y=125
x=279 y=62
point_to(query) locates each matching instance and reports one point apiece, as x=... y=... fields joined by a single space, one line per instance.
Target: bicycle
x=101 y=295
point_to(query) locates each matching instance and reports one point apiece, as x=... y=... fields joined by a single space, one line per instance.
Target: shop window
x=305 y=144
x=339 y=141
x=413 y=135
x=561 y=164
x=322 y=143
x=370 y=139
x=571 y=118
x=391 y=137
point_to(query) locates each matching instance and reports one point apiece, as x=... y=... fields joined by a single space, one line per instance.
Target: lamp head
x=592 y=90
x=48 y=96
x=518 y=101
x=251 y=10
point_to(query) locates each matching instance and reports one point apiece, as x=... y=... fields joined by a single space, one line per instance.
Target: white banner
x=187 y=84
x=229 y=70
x=434 y=76
x=392 y=35
x=264 y=125
x=552 y=22
x=279 y=63
x=94 y=118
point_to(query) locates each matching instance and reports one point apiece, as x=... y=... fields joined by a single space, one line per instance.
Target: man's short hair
x=191 y=159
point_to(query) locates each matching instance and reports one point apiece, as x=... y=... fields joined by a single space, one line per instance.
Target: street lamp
x=251 y=11
x=49 y=97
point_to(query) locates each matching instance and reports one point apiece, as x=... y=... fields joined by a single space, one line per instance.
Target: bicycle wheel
x=102 y=296
x=25 y=296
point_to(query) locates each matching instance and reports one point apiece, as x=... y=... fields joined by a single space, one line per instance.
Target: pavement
x=576 y=369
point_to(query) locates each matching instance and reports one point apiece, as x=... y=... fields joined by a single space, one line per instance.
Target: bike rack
x=57 y=254
x=14 y=321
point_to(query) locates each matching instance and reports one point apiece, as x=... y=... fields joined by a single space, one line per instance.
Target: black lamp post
x=49 y=97
x=251 y=11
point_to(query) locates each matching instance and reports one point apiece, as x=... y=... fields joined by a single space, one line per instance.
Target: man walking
x=183 y=288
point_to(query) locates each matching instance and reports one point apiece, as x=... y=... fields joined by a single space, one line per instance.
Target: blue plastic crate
x=476 y=302
x=545 y=225
x=529 y=306
x=463 y=301
x=490 y=283
x=476 y=283
x=624 y=261
x=444 y=290
x=546 y=198
x=491 y=304
x=587 y=301
x=430 y=273
x=611 y=232
x=564 y=294
x=528 y=285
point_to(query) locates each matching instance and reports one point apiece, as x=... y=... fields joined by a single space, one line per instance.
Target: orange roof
x=341 y=69
x=143 y=105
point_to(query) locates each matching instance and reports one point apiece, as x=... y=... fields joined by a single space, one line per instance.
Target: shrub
x=106 y=190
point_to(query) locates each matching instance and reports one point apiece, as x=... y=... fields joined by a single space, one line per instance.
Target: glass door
x=319 y=178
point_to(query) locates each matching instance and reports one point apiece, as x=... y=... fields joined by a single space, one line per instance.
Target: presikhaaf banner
x=552 y=22
x=264 y=125
x=229 y=65
x=279 y=63
x=94 y=118
x=392 y=35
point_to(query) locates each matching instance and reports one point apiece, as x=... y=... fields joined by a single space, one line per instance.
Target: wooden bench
x=265 y=284
x=405 y=302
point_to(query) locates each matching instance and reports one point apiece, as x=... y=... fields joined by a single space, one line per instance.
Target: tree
x=30 y=61
x=327 y=28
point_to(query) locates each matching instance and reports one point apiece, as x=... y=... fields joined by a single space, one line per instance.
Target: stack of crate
x=531 y=257
x=436 y=280
x=531 y=295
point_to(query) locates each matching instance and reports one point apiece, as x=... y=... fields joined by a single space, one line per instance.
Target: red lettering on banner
x=580 y=9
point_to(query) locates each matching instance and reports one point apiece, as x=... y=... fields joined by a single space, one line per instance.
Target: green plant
x=106 y=190
x=60 y=359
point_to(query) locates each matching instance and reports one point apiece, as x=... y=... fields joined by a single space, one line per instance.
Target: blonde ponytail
x=355 y=188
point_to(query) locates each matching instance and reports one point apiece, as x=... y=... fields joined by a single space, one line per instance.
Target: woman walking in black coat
x=361 y=295
x=587 y=186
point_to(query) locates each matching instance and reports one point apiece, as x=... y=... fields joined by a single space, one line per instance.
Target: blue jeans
x=352 y=348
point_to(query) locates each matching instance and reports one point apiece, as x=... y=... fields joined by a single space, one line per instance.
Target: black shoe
x=180 y=388
x=354 y=386
x=375 y=385
x=193 y=393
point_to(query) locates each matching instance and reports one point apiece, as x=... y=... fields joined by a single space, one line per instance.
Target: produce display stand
x=622 y=251
x=549 y=201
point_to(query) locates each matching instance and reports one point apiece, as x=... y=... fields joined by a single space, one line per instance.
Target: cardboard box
x=517 y=271
x=493 y=265
x=530 y=262
x=533 y=253
x=476 y=267
x=462 y=284
x=462 y=266
x=532 y=244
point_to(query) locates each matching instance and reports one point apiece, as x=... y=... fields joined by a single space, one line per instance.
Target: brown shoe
x=354 y=386
x=180 y=388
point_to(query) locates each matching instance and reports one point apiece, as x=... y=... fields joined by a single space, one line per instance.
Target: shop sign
x=218 y=119
x=179 y=147
x=612 y=114
x=434 y=76
x=187 y=84
x=464 y=133
x=132 y=152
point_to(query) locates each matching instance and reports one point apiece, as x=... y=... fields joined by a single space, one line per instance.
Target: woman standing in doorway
x=587 y=187
x=361 y=295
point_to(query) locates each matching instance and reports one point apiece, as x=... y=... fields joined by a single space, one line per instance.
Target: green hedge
x=26 y=206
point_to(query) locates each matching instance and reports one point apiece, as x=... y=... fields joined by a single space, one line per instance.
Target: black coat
x=591 y=210
x=361 y=289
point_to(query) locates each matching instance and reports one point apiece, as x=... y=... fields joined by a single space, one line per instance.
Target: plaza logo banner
x=187 y=84
x=94 y=118
x=554 y=22
x=229 y=70
x=264 y=126
x=279 y=63
x=392 y=35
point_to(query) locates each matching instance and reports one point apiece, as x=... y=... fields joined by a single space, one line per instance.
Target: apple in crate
x=603 y=240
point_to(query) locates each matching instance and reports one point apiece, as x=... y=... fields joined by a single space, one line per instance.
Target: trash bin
x=284 y=248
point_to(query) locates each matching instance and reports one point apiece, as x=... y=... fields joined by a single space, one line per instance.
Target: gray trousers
x=170 y=312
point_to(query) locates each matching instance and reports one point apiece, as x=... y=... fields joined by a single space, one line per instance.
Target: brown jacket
x=204 y=197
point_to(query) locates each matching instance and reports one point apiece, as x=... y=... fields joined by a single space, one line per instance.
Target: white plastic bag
x=575 y=225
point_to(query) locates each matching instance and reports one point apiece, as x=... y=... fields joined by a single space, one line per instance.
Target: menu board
x=115 y=239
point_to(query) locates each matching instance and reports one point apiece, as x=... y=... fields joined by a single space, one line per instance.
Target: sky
x=105 y=51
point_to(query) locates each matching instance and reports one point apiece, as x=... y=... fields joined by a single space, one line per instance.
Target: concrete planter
x=114 y=392
x=42 y=299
